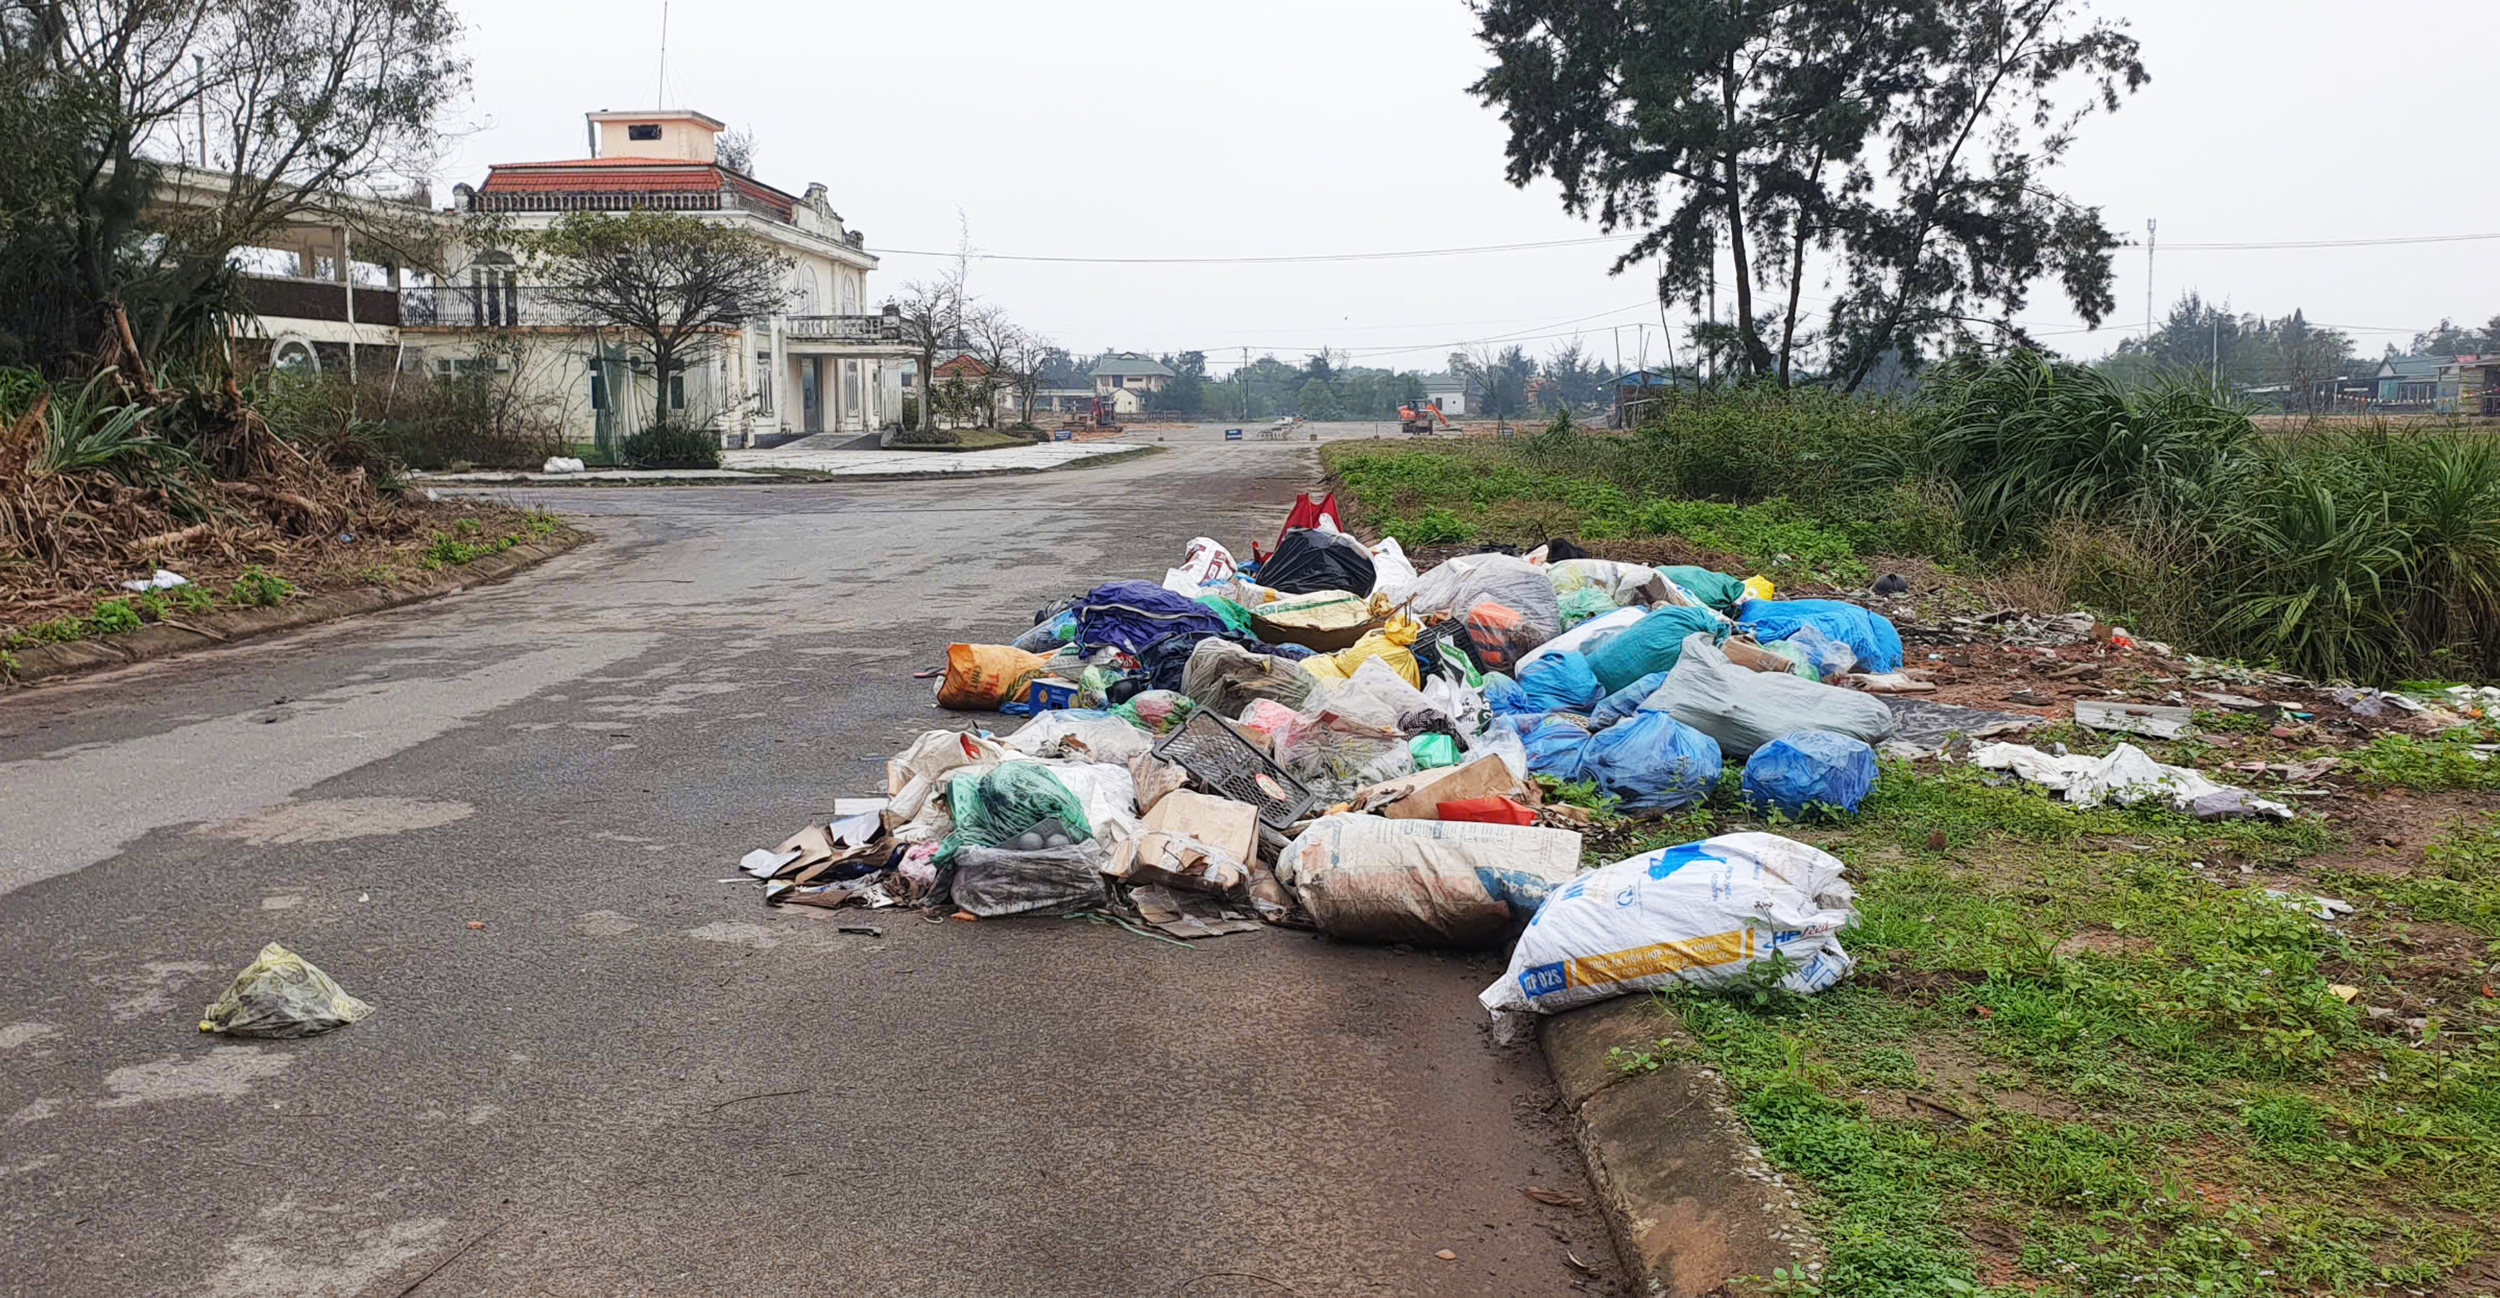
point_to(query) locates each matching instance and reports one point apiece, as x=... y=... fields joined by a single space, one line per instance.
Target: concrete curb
x=1687 y=1196
x=778 y=476
x=211 y=630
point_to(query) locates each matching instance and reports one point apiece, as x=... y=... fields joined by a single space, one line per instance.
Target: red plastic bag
x=1306 y=513
x=1490 y=811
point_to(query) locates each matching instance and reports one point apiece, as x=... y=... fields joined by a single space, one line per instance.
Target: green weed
x=2448 y=761
x=256 y=587
x=112 y=616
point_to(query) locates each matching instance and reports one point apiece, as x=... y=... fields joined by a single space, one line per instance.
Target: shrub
x=672 y=446
x=413 y=420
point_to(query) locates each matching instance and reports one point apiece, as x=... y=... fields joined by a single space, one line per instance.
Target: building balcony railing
x=275 y=297
x=501 y=306
x=482 y=306
x=680 y=200
x=863 y=329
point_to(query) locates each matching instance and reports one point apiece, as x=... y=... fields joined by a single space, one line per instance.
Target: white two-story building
x=816 y=367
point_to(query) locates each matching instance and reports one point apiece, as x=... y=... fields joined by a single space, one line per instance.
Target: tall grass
x=2370 y=555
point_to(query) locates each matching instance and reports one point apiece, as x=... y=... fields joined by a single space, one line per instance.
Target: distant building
x=2469 y=385
x=826 y=362
x=1124 y=378
x=1446 y=393
x=2409 y=380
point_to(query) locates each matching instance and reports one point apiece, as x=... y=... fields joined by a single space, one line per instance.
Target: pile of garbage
x=1322 y=736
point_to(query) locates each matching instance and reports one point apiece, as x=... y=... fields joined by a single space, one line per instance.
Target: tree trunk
x=663 y=355
x=1796 y=287
x=1757 y=356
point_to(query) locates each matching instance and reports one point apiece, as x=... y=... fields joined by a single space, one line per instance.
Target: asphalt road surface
x=633 y=1078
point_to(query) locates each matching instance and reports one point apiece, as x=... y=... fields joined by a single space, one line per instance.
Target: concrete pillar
x=785 y=391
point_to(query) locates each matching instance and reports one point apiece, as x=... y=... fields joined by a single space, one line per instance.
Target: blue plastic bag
x=1869 y=635
x=1810 y=769
x=1624 y=702
x=1503 y=695
x=1828 y=657
x=1653 y=762
x=1554 y=747
x=1650 y=645
x=1562 y=682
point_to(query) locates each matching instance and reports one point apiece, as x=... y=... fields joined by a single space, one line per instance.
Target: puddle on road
x=329 y=820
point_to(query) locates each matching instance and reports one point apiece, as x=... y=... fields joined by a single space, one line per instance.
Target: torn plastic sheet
x=2126 y=776
x=1923 y=728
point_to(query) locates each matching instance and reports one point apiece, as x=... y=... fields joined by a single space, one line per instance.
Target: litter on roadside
x=1704 y=913
x=2125 y=776
x=281 y=994
x=1321 y=736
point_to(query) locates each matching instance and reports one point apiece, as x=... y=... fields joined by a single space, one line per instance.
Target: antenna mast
x=660 y=100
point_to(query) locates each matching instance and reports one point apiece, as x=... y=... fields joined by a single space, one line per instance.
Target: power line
x=1392 y=255
x=2331 y=243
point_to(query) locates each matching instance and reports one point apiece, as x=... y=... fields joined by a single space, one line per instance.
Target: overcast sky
x=1119 y=128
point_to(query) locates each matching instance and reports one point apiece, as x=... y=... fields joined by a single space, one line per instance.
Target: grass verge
x=2092 y=1053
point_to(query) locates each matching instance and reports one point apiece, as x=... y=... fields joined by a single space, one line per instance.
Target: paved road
x=576 y=1097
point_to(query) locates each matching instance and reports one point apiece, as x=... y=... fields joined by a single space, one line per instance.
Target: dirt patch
x=330 y=820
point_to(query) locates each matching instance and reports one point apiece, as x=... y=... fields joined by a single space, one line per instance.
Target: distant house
x=2469 y=385
x=2409 y=380
x=1063 y=401
x=1634 y=389
x=1124 y=378
x=1446 y=393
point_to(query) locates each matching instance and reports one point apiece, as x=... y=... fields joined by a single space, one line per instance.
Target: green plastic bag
x=1716 y=589
x=1234 y=615
x=991 y=809
x=1580 y=605
x=1433 y=751
x=281 y=994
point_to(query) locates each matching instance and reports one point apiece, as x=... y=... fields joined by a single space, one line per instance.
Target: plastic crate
x=1449 y=634
x=1218 y=757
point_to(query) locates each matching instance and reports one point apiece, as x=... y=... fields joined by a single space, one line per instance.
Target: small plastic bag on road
x=281 y=994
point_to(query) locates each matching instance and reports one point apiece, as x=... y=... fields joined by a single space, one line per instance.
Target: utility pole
x=1245 y=385
x=1618 y=383
x=2150 y=226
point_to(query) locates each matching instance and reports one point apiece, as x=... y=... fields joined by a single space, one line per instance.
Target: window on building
x=763 y=383
x=643 y=132
x=676 y=391
x=598 y=391
x=908 y=376
x=1119 y=380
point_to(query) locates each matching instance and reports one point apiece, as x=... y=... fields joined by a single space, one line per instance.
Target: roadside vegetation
x=2097 y=1052
x=2367 y=554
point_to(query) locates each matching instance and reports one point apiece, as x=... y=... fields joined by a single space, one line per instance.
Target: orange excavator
x=1419 y=418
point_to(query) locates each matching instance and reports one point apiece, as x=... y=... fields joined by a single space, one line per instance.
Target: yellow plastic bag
x=280 y=994
x=982 y=676
x=1389 y=644
x=1760 y=588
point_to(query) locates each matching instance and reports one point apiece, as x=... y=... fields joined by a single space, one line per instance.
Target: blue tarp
x=1130 y=615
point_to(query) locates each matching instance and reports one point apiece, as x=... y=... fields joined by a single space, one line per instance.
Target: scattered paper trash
x=281 y=994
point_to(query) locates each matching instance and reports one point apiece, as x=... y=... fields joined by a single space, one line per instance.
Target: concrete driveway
x=597 y=1069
